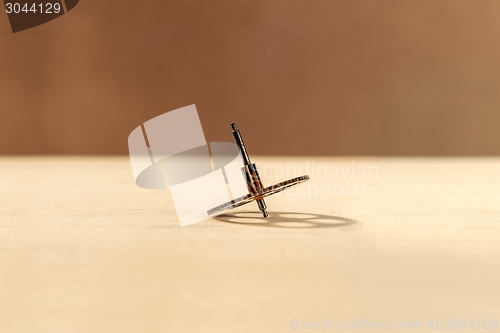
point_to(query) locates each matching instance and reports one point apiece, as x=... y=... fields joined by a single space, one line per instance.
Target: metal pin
x=254 y=184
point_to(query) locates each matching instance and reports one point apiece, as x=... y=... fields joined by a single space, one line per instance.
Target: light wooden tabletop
x=367 y=241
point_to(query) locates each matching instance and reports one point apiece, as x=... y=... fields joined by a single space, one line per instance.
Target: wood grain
x=82 y=249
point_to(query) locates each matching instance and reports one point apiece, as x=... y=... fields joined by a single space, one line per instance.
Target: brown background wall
x=298 y=77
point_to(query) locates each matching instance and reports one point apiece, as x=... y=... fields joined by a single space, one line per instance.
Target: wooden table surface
x=408 y=241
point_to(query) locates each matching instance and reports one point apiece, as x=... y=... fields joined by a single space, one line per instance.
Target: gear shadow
x=292 y=220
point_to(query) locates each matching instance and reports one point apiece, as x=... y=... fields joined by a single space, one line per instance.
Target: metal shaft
x=241 y=146
x=252 y=176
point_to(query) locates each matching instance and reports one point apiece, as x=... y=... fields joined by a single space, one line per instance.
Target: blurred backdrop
x=299 y=77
